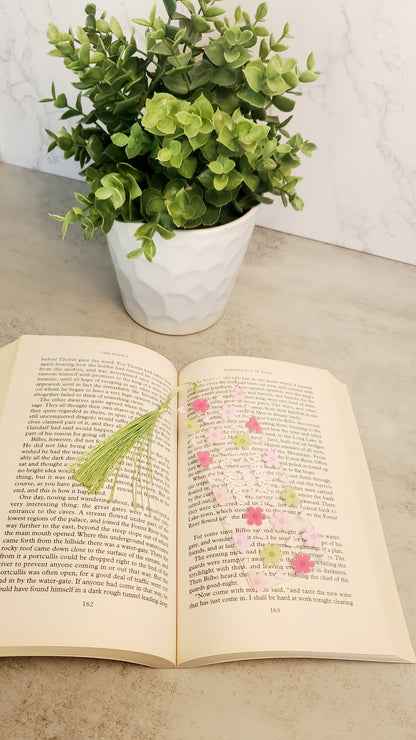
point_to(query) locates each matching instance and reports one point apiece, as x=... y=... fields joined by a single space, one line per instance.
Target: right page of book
x=280 y=546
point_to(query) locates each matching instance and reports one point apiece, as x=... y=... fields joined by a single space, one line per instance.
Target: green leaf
x=224 y=76
x=165 y=233
x=200 y=24
x=251 y=181
x=289 y=64
x=61 y=101
x=161 y=48
x=103 y=26
x=238 y=14
x=201 y=73
x=234 y=180
x=310 y=62
x=264 y=49
x=69 y=114
x=188 y=5
x=261 y=31
x=52 y=33
x=188 y=167
x=177 y=83
x=307 y=148
x=231 y=55
x=255 y=74
x=88 y=227
x=211 y=216
x=292 y=79
x=308 y=76
x=261 y=12
x=170 y=6
x=213 y=11
x=90 y=22
x=103 y=193
x=82 y=199
x=84 y=54
x=142 y=22
x=218 y=197
x=283 y=103
x=82 y=36
x=297 y=203
x=116 y=28
x=222 y=165
x=152 y=201
x=90 y=9
x=135 y=253
x=215 y=52
x=254 y=99
x=120 y=139
x=149 y=249
x=131 y=186
x=220 y=181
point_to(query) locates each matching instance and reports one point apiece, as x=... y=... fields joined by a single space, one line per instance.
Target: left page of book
x=80 y=575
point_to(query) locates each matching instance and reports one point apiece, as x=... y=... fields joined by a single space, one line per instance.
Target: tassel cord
x=93 y=468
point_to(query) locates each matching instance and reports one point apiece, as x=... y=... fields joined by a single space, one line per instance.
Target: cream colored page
x=7 y=357
x=76 y=570
x=303 y=573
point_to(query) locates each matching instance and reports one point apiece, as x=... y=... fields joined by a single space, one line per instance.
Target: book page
x=79 y=574
x=281 y=551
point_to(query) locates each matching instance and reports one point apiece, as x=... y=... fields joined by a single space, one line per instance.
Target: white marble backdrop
x=359 y=187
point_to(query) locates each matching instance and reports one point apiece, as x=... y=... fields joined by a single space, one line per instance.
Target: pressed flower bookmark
x=94 y=467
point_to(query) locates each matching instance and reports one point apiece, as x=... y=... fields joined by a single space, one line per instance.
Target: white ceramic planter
x=186 y=287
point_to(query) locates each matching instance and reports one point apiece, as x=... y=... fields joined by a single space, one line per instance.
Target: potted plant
x=188 y=133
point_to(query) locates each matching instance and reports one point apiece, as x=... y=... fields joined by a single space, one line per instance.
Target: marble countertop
x=296 y=300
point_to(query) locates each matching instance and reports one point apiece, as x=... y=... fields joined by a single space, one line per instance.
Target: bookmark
x=94 y=467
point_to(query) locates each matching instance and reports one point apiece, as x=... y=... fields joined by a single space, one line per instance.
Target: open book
x=259 y=536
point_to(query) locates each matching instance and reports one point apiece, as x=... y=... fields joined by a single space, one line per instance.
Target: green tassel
x=94 y=467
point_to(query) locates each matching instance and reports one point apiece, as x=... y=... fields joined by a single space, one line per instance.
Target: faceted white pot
x=186 y=287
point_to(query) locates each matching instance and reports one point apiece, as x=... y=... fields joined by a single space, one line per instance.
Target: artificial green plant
x=190 y=131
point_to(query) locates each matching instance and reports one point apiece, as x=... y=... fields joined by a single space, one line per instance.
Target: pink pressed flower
x=242 y=541
x=254 y=515
x=302 y=563
x=221 y=495
x=253 y=425
x=258 y=580
x=205 y=459
x=200 y=406
x=214 y=436
x=237 y=395
x=311 y=537
x=270 y=460
x=281 y=521
x=228 y=412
